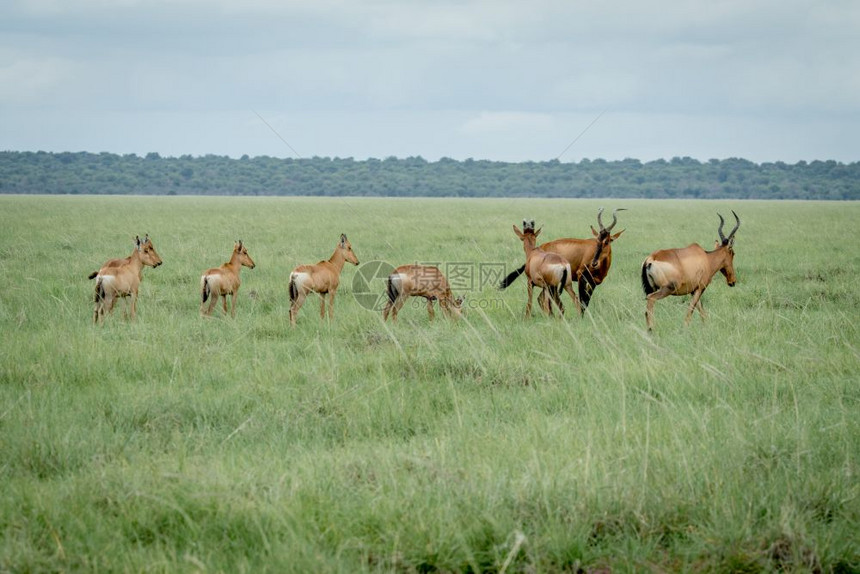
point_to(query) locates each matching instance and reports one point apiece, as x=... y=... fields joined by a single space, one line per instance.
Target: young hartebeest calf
x=322 y=278
x=549 y=271
x=688 y=271
x=119 y=278
x=224 y=280
x=420 y=281
x=589 y=260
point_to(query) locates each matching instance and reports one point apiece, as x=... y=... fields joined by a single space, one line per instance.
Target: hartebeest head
x=528 y=235
x=344 y=247
x=242 y=253
x=148 y=255
x=604 y=236
x=728 y=243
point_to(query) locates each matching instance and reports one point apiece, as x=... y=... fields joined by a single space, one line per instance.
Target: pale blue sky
x=500 y=80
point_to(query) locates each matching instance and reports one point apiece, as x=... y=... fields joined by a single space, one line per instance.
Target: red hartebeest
x=322 y=278
x=120 y=278
x=420 y=281
x=688 y=271
x=589 y=260
x=224 y=280
x=549 y=271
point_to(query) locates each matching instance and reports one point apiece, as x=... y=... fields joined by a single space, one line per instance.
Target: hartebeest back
x=688 y=271
x=420 y=281
x=549 y=271
x=224 y=280
x=590 y=259
x=120 y=278
x=322 y=278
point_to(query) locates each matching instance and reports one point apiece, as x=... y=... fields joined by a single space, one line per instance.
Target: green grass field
x=181 y=443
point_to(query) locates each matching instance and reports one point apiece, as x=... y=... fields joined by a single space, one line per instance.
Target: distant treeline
x=106 y=173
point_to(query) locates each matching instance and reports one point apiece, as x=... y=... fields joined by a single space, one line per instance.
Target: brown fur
x=686 y=271
x=119 y=278
x=322 y=278
x=224 y=280
x=543 y=269
x=420 y=281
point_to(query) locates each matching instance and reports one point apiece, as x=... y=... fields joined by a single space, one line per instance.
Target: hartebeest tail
x=322 y=278
x=224 y=280
x=120 y=278
x=420 y=281
x=688 y=271
x=590 y=260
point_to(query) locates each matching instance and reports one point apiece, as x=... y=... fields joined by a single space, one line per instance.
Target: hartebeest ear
x=538 y=231
x=617 y=235
x=594 y=231
x=518 y=232
x=343 y=240
x=137 y=241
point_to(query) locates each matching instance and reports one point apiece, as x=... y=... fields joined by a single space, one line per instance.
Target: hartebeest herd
x=552 y=267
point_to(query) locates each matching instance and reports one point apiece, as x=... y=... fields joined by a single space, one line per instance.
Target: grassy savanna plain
x=183 y=443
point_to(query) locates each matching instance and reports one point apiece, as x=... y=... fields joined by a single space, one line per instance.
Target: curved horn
x=615 y=218
x=738 y=219
x=600 y=219
x=720 y=229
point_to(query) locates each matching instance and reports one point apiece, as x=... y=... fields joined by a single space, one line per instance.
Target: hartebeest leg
x=386 y=310
x=233 y=303
x=295 y=306
x=133 y=304
x=543 y=303
x=529 y=303
x=651 y=299
x=322 y=305
x=569 y=288
x=697 y=296
x=331 y=305
x=430 y=310
x=213 y=301
x=399 y=301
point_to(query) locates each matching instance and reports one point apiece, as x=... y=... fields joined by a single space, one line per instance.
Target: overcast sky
x=500 y=80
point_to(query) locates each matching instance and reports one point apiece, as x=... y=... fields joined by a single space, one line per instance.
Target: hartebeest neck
x=235 y=263
x=529 y=244
x=337 y=260
x=716 y=259
x=134 y=261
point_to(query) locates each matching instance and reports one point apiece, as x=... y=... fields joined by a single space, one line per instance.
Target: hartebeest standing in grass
x=119 y=278
x=589 y=260
x=224 y=280
x=420 y=281
x=322 y=278
x=688 y=271
x=549 y=271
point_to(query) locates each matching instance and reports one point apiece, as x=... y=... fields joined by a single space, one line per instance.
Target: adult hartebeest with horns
x=688 y=271
x=420 y=281
x=119 y=278
x=224 y=280
x=322 y=278
x=549 y=271
x=589 y=259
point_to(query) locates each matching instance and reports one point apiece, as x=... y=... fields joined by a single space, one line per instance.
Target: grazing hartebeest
x=547 y=270
x=322 y=278
x=224 y=280
x=420 y=281
x=688 y=270
x=589 y=260
x=121 y=278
